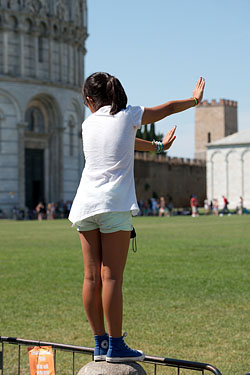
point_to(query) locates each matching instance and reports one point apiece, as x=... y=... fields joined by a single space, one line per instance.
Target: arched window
x=35 y=120
x=43 y=31
x=209 y=137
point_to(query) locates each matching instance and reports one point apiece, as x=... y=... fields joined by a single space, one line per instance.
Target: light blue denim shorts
x=107 y=222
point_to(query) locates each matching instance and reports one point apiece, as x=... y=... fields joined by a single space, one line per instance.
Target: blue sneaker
x=101 y=347
x=119 y=352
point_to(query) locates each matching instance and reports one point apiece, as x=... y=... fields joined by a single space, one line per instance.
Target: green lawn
x=186 y=290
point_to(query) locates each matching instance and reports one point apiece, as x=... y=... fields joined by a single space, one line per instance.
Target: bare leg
x=114 y=255
x=92 y=285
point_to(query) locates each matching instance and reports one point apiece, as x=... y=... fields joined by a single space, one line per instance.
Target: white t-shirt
x=107 y=182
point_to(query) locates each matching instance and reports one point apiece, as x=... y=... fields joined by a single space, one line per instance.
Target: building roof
x=242 y=137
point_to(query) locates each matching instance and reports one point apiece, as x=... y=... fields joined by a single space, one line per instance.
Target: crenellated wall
x=165 y=176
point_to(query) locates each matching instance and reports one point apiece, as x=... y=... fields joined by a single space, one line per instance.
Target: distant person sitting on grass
x=106 y=199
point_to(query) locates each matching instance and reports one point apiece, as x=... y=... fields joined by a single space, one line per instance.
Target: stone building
x=227 y=152
x=42 y=48
x=228 y=169
x=213 y=121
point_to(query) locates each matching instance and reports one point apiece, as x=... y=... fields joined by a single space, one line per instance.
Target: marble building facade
x=228 y=169
x=42 y=49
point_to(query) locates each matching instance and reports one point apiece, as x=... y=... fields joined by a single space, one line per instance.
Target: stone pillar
x=22 y=54
x=69 y=63
x=56 y=169
x=50 y=59
x=227 y=177
x=5 y=52
x=2 y=118
x=81 y=74
x=47 y=174
x=60 y=60
x=36 y=47
x=61 y=131
x=75 y=64
x=242 y=175
x=105 y=368
x=21 y=164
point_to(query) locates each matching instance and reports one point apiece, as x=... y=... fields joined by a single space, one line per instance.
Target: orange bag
x=41 y=360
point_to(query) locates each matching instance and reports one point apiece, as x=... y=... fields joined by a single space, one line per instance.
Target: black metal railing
x=156 y=361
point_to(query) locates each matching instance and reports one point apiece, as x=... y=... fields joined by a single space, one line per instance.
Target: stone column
x=56 y=164
x=5 y=52
x=50 y=41
x=61 y=131
x=227 y=178
x=22 y=54
x=105 y=368
x=21 y=163
x=242 y=174
x=60 y=41
x=35 y=36
x=69 y=64
x=1 y=120
x=47 y=174
x=75 y=64
x=80 y=68
x=81 y=74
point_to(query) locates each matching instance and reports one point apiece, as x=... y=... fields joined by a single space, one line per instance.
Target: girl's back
x=107 y=182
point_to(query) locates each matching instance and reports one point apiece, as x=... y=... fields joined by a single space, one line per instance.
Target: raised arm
x=159 y=112
x=142 y=145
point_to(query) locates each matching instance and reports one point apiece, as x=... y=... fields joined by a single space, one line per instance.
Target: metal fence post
x=1 y=359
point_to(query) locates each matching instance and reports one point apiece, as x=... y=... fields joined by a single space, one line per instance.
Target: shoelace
x=125 y=334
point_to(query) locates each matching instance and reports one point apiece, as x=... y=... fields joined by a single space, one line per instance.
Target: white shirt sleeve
x=136 y=113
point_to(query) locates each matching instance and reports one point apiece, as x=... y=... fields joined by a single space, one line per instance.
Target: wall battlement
x=178 y=178
x=221 y=102
x=160 y=158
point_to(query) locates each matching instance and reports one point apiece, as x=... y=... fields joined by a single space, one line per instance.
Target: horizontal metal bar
x=181 y=363
x=85 y=350
x=77 y=349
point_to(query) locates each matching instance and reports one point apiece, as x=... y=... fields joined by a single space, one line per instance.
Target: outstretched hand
x=169 y=138
x=199 y=89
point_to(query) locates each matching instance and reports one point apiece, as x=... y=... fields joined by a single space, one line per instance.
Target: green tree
x=149 y=135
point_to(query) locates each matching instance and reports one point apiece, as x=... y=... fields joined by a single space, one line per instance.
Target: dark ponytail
x=105 y=89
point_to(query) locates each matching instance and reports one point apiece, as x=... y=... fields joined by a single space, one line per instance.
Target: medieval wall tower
x=42 y=48
x=213 y=120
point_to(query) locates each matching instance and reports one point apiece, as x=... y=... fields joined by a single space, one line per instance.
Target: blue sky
x=158 y=49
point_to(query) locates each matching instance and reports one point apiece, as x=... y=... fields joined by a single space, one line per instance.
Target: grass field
x=186 y=290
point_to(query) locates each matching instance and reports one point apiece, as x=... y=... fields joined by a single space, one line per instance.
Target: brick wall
x=174 y=176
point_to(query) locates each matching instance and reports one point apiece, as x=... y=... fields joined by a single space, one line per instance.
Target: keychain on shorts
x=133 y=237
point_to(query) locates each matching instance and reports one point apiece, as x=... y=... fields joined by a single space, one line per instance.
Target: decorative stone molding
x=46 y=25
